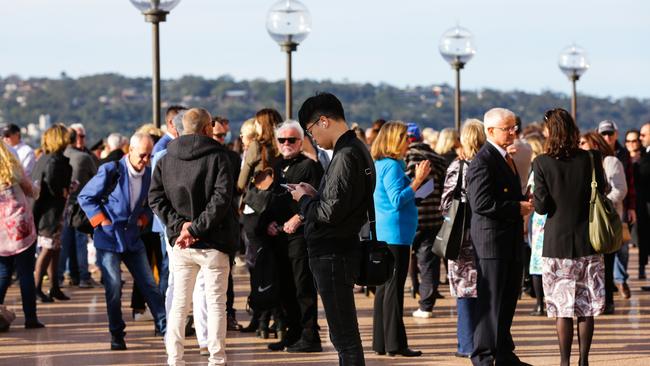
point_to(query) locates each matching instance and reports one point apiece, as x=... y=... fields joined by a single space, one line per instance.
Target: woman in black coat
x=53 y=173
x=573 y=274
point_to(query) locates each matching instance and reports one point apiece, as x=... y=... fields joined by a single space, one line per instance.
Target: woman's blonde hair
x=447 y=140
x=389 y=141
x=9 y=167
x=247 y=128
x=150 y=129
x=472 y=137
x=536 y=142
x=55 y=139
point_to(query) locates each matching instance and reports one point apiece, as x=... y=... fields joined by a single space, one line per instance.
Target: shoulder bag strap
x=594 y=184
x=371 y=204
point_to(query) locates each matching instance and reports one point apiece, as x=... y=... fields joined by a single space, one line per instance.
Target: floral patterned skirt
x=462 y=273
x=574 y=287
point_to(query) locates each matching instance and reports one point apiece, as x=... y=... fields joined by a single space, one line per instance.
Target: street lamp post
x=457 y=48
x=573 y=63
x=288 y=23
x=155 y=11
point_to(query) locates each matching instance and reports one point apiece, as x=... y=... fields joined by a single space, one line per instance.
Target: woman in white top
x=616 y=192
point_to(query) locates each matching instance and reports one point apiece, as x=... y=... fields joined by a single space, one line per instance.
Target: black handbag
x=377 y=262
x=451 y=235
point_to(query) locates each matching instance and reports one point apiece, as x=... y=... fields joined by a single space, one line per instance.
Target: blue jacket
x=158 y=226
x=124 y=233
x=395 y=210
x=161 y=144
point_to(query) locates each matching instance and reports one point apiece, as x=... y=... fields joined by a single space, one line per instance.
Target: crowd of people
x=290 y=198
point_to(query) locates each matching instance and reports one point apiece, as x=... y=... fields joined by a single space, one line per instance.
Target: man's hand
x=292 y=224
x=185 y=239
x=631 y=216
x=273 y=229
x=302 y=189
x=525 y=207
x=511 y=149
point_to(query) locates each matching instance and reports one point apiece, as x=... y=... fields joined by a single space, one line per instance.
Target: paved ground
x=77 y=334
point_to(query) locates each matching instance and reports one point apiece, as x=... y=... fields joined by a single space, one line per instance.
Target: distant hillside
x=109 y=102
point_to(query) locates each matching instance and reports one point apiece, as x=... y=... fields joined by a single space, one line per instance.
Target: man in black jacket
x=285 y=227
x=333 y=216
x=191 y=192
x=494 y=194
x=642 y=180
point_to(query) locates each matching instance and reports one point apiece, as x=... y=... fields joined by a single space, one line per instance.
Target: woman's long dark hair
x=563 y=134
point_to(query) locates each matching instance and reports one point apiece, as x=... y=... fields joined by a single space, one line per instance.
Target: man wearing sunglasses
x=334 y=216
x=298 y=294
x=115 y=202
x=618 y=261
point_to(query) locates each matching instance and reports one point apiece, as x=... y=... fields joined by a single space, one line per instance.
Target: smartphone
x=287 y=187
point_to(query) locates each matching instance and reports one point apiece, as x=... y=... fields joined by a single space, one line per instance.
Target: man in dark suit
x=642 y=181
x=494 y=193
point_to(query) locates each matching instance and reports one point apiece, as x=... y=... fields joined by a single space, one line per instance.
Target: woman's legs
x=42 y=263
x=539 y=292
x=565 y=336
x=585 y=335
x=52 y=270
x=25 y=270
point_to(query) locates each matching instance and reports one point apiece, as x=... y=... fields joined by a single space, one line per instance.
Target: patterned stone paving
x=77 y=334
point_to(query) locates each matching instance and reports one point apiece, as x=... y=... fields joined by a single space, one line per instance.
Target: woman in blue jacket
x=397 y=221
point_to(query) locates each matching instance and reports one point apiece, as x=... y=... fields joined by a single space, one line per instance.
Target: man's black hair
x=321 y=104
x=10 y=130
x=174 y=109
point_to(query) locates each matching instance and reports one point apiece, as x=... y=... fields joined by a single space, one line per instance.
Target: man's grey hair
x=290 y=124
x=115 y=141
x=195 y=120
x=495 y=117
x=78 y=127
x=138 y=137
x=177 y=122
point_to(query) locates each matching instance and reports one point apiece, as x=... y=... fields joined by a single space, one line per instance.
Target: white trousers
x=199 y=304
x=186 y=265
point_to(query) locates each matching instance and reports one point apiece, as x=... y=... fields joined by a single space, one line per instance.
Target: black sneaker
x=305 y=346
x=117 y=343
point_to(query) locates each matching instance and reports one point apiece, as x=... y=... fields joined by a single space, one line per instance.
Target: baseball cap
x=413 y=132
x=607 y=126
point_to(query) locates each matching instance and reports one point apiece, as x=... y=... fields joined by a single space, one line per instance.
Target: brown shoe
x=624 y=290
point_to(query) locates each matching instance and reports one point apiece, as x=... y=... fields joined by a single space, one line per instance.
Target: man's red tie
x=511 y=163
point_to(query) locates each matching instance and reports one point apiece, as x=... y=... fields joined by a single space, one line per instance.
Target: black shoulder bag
x=451 y=235
x=377 y=262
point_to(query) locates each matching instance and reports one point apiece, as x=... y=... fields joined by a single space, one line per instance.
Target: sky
x=378 y=41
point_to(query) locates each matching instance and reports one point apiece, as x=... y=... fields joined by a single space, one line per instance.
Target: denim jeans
x=23 y=263
x=429 y=266
x=137 y=264
x=74 y=240
x=466 y=309
x=335 y=275
x=620 y=264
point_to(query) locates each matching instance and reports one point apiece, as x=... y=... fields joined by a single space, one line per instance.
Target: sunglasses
x=631 y=141
x=144 y=156
x=219 y=135
x=607 y=133
x=291 y=140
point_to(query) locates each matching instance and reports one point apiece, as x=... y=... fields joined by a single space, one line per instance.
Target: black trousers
x=609 y=278
x=499 y=284
x=643 y=231
x=335 y=275
x=429 y=267
x=388 y=332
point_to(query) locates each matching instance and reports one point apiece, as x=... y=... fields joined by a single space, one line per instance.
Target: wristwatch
x=301 y=217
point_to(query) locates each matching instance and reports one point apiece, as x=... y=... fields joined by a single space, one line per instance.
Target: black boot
x=117 y=343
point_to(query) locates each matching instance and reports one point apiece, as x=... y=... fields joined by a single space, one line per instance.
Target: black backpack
x=78 y=218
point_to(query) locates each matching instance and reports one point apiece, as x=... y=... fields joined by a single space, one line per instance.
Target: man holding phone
x=334 y=216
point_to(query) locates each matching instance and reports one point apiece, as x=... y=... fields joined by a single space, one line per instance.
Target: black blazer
x=563 y=190
x=53 y=172
x=642 y=179
x=494 y=193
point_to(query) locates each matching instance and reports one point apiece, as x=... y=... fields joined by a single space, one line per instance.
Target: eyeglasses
x=607 y=133
x=219 y=135
x=82 y=136
x=290 y=140
x=308 y=129
x=514 y=128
